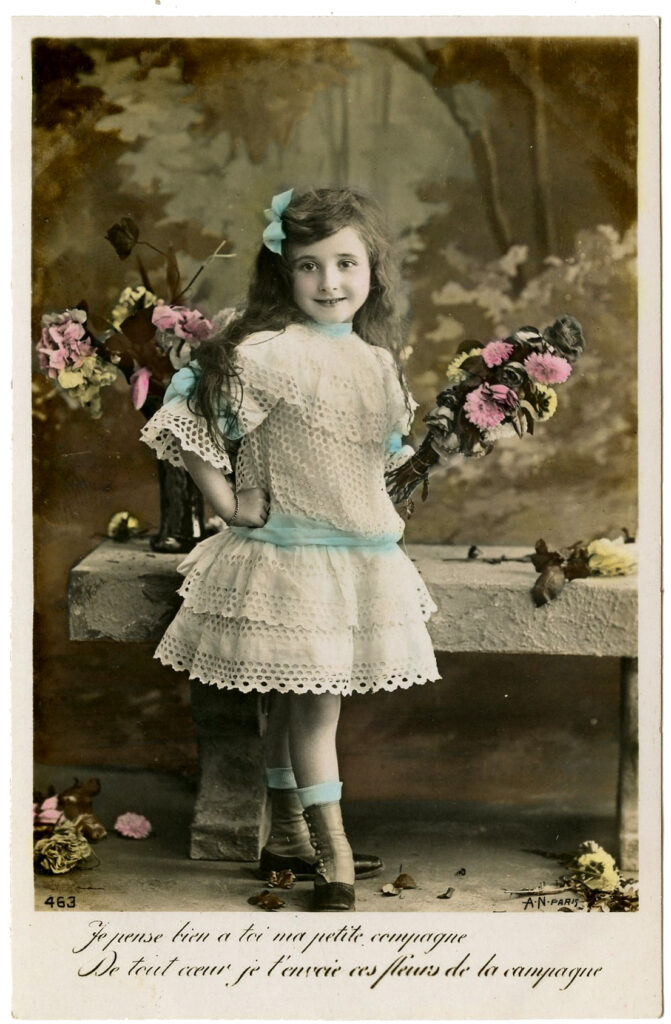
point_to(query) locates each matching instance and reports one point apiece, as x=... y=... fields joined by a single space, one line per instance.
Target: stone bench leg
x=627 y=788
x=230 y=812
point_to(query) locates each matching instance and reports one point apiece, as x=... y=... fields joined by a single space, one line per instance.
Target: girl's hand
x=253 y=507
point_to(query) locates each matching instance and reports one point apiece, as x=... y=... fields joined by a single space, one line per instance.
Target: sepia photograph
x=345 y=500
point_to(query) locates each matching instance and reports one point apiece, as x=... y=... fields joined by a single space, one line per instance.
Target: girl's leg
x=288 y=844
x=313 y=722
x=277 y=731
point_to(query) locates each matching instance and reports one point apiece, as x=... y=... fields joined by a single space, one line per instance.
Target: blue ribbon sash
x=292 y=531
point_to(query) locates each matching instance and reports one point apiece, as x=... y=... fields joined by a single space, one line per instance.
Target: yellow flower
x=453 y=373
x=550 y=396
x=131 y=300
x=62 y=851
x=123 y=525
x=597 y=869
x=611 y=557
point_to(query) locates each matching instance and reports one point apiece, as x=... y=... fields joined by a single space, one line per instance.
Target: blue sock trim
x=280 y=778
x=322 y=793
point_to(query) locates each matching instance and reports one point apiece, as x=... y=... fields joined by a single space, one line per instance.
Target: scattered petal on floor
x=266 y=900
x=282 y=879
x=405 y=881
x=389 y=890
x=447 y=895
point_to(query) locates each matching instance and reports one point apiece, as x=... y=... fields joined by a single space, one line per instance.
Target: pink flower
x=487 y=405
x=165 y=318
x=186 y=323
x=48 y=812
x=64 y=342
x=496 y=352
x=134 y=826
x=196 y=325
x=139 y=386
x=546 y=368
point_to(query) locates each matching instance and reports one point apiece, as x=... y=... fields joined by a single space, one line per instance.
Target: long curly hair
x=309 y=217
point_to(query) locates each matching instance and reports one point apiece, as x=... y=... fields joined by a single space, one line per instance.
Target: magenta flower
x=546 y=368
x=64 y=342
x=133 y=826
x=496 y=352
x=139 y=386
x=186 y=323
x=488 y=405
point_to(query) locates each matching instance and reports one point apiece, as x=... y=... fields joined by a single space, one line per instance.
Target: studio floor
x=480 y=851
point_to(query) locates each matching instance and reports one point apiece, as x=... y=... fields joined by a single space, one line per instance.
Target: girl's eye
x=308 y=265
x=347 y=264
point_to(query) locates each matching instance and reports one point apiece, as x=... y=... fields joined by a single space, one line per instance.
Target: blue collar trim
x=332 y=330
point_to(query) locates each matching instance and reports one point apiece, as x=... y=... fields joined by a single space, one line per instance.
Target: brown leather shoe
x=365 y=865
x=334 y=874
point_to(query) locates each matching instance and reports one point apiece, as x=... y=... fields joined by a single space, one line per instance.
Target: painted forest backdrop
x=508 y=171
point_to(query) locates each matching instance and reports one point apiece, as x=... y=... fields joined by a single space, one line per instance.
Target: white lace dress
x=342 y=616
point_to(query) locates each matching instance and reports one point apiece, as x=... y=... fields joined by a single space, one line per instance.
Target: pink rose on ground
x=48 y=813
x=139 y=386
x=133 y=826
x=546 y=368
x=64 y=342
x=496 y=352
x=487 y=406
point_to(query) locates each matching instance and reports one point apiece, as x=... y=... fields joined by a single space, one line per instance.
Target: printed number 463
x=60 y=901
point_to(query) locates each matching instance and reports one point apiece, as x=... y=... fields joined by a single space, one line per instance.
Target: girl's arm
x=253 y=502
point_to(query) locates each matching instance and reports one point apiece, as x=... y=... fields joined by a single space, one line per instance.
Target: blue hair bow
x=274 y=233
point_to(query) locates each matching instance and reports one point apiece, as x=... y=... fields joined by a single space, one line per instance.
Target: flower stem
x=217 y=254
x=141 y=241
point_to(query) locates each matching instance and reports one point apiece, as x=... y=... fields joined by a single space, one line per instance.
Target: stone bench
x=127 y=592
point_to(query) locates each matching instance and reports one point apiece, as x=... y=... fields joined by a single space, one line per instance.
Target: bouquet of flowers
x=146 y=339
x=498 y=389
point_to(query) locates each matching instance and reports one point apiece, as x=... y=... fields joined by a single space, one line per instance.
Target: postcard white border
x=45 y=987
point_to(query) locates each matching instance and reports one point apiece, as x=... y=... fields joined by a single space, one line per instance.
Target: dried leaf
x=577 y=568
x=447 y=895
x=389 y=890
x=517 y=418
x=123 y=236
x=172 y=275
x=475 y=365
x=266 y=900
x=282 y=879
x=543 y=557
x=405 y=881
x=549 y=585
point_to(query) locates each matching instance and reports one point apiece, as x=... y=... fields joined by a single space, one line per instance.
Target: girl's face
x=331 y=278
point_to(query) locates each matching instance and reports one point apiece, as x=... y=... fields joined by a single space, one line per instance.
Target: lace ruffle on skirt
x=303 y=619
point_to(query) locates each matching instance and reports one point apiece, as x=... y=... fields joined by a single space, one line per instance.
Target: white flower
x=611 y=557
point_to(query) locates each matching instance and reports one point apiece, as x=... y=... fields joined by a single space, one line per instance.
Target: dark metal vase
x=182 y=523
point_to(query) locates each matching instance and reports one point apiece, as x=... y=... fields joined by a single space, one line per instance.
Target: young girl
x=306 y=594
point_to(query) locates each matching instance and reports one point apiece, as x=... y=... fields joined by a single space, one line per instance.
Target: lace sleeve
x=401 y=413
x=175 y=428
